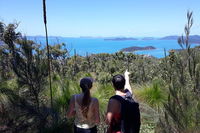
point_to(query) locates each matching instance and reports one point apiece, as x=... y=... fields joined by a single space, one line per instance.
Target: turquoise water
x=99 y=45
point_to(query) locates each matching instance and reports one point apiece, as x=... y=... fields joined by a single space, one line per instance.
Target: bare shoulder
x=95 y=100
x=73 y=97
x=113 y=101
x=114 y=106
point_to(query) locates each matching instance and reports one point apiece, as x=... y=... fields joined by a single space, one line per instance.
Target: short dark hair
x=118 y=81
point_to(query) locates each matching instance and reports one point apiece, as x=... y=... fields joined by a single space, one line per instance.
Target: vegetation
x=167 y=89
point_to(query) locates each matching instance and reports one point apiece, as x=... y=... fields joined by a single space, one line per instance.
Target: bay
x=85 y=46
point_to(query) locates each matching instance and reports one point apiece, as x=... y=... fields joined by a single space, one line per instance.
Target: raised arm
x=127 y=84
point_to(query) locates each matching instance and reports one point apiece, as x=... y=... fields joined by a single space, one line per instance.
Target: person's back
x=123 y=114
x=129 y=121
x=90 y=119
x=85 y=109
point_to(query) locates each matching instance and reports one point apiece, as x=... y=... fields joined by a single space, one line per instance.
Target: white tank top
x=80 y=120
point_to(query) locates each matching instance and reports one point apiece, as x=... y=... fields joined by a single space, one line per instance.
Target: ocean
x=85 y=46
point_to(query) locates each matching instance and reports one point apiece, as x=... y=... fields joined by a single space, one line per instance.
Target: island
x=169 y=38
x=194 y=39
x=120 y=39
x=136 y=48
x=148 y=38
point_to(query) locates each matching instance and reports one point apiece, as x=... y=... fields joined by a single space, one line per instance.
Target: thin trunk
x=47 y=44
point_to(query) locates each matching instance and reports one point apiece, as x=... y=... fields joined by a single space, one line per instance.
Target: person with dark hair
x=123 y=115
x=84 y=108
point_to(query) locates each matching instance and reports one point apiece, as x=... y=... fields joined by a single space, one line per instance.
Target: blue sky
x=105 y=18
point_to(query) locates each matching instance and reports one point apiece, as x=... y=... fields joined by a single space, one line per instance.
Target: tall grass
x=153 y=94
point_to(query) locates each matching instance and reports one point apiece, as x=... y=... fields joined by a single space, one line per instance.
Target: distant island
x=120 y=39
x=136 y=48
x=192 y=38
x=148 y=38
x=169 y=38
x=195 y=39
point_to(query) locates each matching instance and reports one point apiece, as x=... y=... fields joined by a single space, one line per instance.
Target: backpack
x=130 y=114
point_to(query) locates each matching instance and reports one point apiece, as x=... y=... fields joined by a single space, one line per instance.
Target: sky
x=102 y=18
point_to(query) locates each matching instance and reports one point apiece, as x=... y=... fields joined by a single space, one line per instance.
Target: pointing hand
x=126 y=73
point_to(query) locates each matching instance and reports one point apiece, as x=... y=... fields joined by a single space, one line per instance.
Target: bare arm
x=71 y=110
x=113 y=107
x=96 y=110
x=127 y=84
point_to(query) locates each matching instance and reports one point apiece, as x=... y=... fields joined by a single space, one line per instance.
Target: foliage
x=181 y=111
x=167 y=89
x=153 y=94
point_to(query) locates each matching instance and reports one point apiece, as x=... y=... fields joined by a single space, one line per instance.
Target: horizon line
x=109 y=36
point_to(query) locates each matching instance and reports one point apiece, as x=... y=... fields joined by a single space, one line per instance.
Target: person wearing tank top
x=84 y=108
